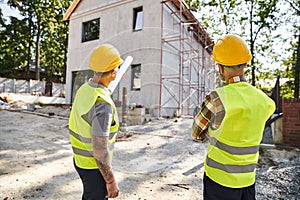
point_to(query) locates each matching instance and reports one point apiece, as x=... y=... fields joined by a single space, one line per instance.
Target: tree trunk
x=297 y=70
x=252 y=45
x=66 y=24
x=37 y=53
x=29 y=50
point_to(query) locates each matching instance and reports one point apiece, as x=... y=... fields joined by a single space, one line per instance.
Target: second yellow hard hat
x=231 y=50
x=105 y=58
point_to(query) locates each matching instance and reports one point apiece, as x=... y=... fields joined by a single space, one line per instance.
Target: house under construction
x=171 y=70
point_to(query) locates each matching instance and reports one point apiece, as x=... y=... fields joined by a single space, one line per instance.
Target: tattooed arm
x=102 y=156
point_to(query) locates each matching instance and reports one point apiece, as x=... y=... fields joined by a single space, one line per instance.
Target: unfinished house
x=171 y=70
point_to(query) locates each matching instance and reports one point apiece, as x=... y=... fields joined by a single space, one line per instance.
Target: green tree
x=262 y=22
x=289 y=21
x=255 y=18
x=193 y=5
x=295 y=4
x=297 y=70
x=223 y=16
x=47 y=33
x=13 y=52
x=288 y=88
x=54 y=44
x=37 y=12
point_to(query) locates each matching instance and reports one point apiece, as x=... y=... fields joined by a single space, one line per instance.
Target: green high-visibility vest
x=81 y=131
x=233 y=147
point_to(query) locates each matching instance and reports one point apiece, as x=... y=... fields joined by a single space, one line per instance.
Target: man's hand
x=112 y=189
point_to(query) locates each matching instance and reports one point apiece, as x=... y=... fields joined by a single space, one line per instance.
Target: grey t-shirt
x=100 y=116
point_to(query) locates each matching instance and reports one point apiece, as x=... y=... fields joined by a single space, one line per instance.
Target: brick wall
x=291 y=122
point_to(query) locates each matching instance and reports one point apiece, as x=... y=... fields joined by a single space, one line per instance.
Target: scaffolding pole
x=193 y=46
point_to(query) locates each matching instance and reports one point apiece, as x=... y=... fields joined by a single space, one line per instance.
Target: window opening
x=136 y=80
x=137 y=18
x=91 y=30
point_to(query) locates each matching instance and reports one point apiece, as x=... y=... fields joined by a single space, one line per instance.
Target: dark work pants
x=94 y=186
x=215 y=191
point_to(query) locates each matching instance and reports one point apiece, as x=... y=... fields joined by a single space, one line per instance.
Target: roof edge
x=71 y=9
x=207 y=42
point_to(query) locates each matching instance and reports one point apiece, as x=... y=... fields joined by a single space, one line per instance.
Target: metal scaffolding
x=187 y=41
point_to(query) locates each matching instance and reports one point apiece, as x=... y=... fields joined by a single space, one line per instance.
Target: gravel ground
x=279 y=175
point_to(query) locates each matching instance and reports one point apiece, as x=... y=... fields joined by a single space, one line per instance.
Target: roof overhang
x=190 y=18
x=71 y=9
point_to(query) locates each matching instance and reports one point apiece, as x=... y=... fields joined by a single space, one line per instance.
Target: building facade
x=171 y=70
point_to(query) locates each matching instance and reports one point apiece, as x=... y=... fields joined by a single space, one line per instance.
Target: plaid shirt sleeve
x=202 y=120
x=211 y=114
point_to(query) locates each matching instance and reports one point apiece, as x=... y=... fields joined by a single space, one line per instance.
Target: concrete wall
x=116 y=27
x=30 y=87
x=116 y=22
x=291 y=122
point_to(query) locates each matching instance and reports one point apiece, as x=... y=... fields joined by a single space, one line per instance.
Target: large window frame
x=78 y=79
x=90 y=30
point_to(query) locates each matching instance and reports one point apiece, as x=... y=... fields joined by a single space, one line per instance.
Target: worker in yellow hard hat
x=93 y=125
x=232 y=120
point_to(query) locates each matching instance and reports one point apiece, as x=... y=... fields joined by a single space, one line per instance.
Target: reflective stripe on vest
x=233 y=147
x=80 y=138
x=80 y=130
x=87 y=153
x=230 y=168
x=82 y=152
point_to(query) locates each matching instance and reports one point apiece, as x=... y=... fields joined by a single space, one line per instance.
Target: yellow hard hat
x=105 y=58
x=231 y=50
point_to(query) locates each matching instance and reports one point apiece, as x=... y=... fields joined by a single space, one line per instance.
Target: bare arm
x=102 y=156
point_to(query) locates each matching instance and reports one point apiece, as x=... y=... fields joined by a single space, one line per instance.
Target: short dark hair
x=234 y=66
x=103 y=73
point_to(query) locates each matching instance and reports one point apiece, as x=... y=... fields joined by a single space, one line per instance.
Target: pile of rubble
x=278 y=174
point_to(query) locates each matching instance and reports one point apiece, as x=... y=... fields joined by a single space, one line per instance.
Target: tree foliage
x=193 y=4
x=39 y=37
x=264 y=24
x=13 y=46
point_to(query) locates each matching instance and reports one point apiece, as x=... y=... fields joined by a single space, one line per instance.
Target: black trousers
x=94 y=185
x=215 y=191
